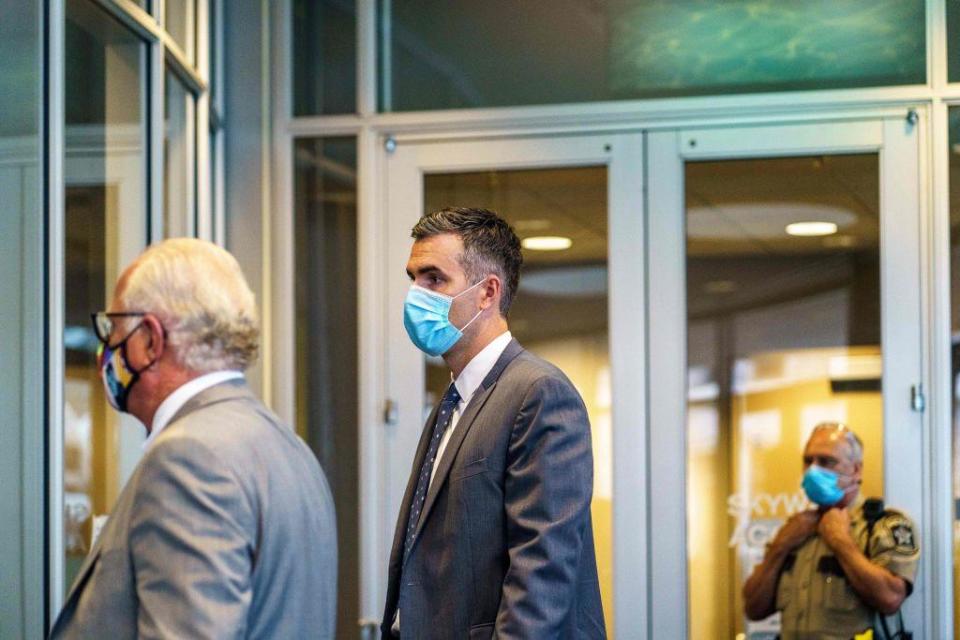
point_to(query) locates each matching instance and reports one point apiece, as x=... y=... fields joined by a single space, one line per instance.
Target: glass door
x=784 y=284
x=576 y=204
x=105 y=228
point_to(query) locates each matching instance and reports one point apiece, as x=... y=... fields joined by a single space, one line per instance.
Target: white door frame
x=622 y=153
x=905 y=431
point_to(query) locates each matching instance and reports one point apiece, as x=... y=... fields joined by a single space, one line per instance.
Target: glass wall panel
x=213 y=55
x=438 y=55
x=178 y=167
x=179 y=17
x=560 y=312
x=955 y=347
x=953 y=46
x=23 y=392
x=783 y=333
x=324 y=57
x=106 y=222
x=325 y=187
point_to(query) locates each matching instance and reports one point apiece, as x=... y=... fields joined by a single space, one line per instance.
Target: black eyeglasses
x=103 y=324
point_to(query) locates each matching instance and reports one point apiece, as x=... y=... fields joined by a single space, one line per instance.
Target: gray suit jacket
x=504 y=546
x=225 y=530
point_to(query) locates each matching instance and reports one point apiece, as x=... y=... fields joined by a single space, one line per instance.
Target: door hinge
x=390 y=411
x=918 y=401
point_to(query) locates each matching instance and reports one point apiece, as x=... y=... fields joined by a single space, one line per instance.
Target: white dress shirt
x=467 y=384
x=175 y=401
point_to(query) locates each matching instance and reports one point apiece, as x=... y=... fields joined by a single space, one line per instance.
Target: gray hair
x=853 y=441
x=489 y=246
x=198 y=292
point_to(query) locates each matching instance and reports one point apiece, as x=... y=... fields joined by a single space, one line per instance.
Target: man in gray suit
x=494 y=537
x=226 y=527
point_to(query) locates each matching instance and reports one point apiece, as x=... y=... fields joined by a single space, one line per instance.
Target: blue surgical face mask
x=821 y=486
x=426 y=317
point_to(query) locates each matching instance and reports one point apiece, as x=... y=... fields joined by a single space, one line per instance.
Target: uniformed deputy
x=831 y=570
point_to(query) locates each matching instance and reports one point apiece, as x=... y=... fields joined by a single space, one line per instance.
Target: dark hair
x=489 y=245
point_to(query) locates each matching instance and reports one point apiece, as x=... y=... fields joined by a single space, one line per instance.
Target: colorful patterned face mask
x=117 y=375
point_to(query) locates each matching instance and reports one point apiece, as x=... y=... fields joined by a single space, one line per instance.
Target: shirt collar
x=183 y=394
x=477 y=369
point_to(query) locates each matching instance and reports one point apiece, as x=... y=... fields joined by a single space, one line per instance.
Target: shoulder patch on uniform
x=901 y=530
x=903 y=536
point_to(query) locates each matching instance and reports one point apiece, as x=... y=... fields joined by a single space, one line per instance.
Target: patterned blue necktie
x=447 y=406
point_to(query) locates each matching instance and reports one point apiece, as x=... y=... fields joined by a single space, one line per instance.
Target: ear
x=156 y=342
x=858 y=471
x=492 y=290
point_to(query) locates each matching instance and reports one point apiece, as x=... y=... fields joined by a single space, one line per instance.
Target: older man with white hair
x=837 y=570
x=226 y=528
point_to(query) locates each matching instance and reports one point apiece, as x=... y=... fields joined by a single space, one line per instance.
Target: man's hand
x=796 y=530
x=760 y=589
x=834 y=528
x=876 y=585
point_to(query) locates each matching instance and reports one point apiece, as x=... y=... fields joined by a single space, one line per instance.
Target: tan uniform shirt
x=813 y=595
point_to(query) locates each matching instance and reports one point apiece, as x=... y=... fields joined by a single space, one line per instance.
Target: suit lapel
x=91 y=560
x=400 y=534
x=88 y=563
x=463 y=426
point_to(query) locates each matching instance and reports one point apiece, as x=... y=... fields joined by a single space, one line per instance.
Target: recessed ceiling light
x=547 y=243
x=809 y=229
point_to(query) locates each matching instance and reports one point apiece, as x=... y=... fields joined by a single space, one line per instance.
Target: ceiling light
x=808 y=229
x=547 y=243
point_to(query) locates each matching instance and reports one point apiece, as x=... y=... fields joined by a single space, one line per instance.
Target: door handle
x=918 y=401
x=390 y=411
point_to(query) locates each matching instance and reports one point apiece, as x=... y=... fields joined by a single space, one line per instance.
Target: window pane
x=955 y=346
x=560 y=312
x=213 y=56
x=783 y=333
x=213 y=196
x=178 y=167
x=22 y=330
x=106 y=196
x=179 y=16
x=953 y=47
x=326 y=332
x=440 y=54
x=324 y=57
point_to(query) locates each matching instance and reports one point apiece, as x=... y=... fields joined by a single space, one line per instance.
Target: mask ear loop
x=470 y=288
x=122 y=346
x=464 y=327
x=471 y=321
